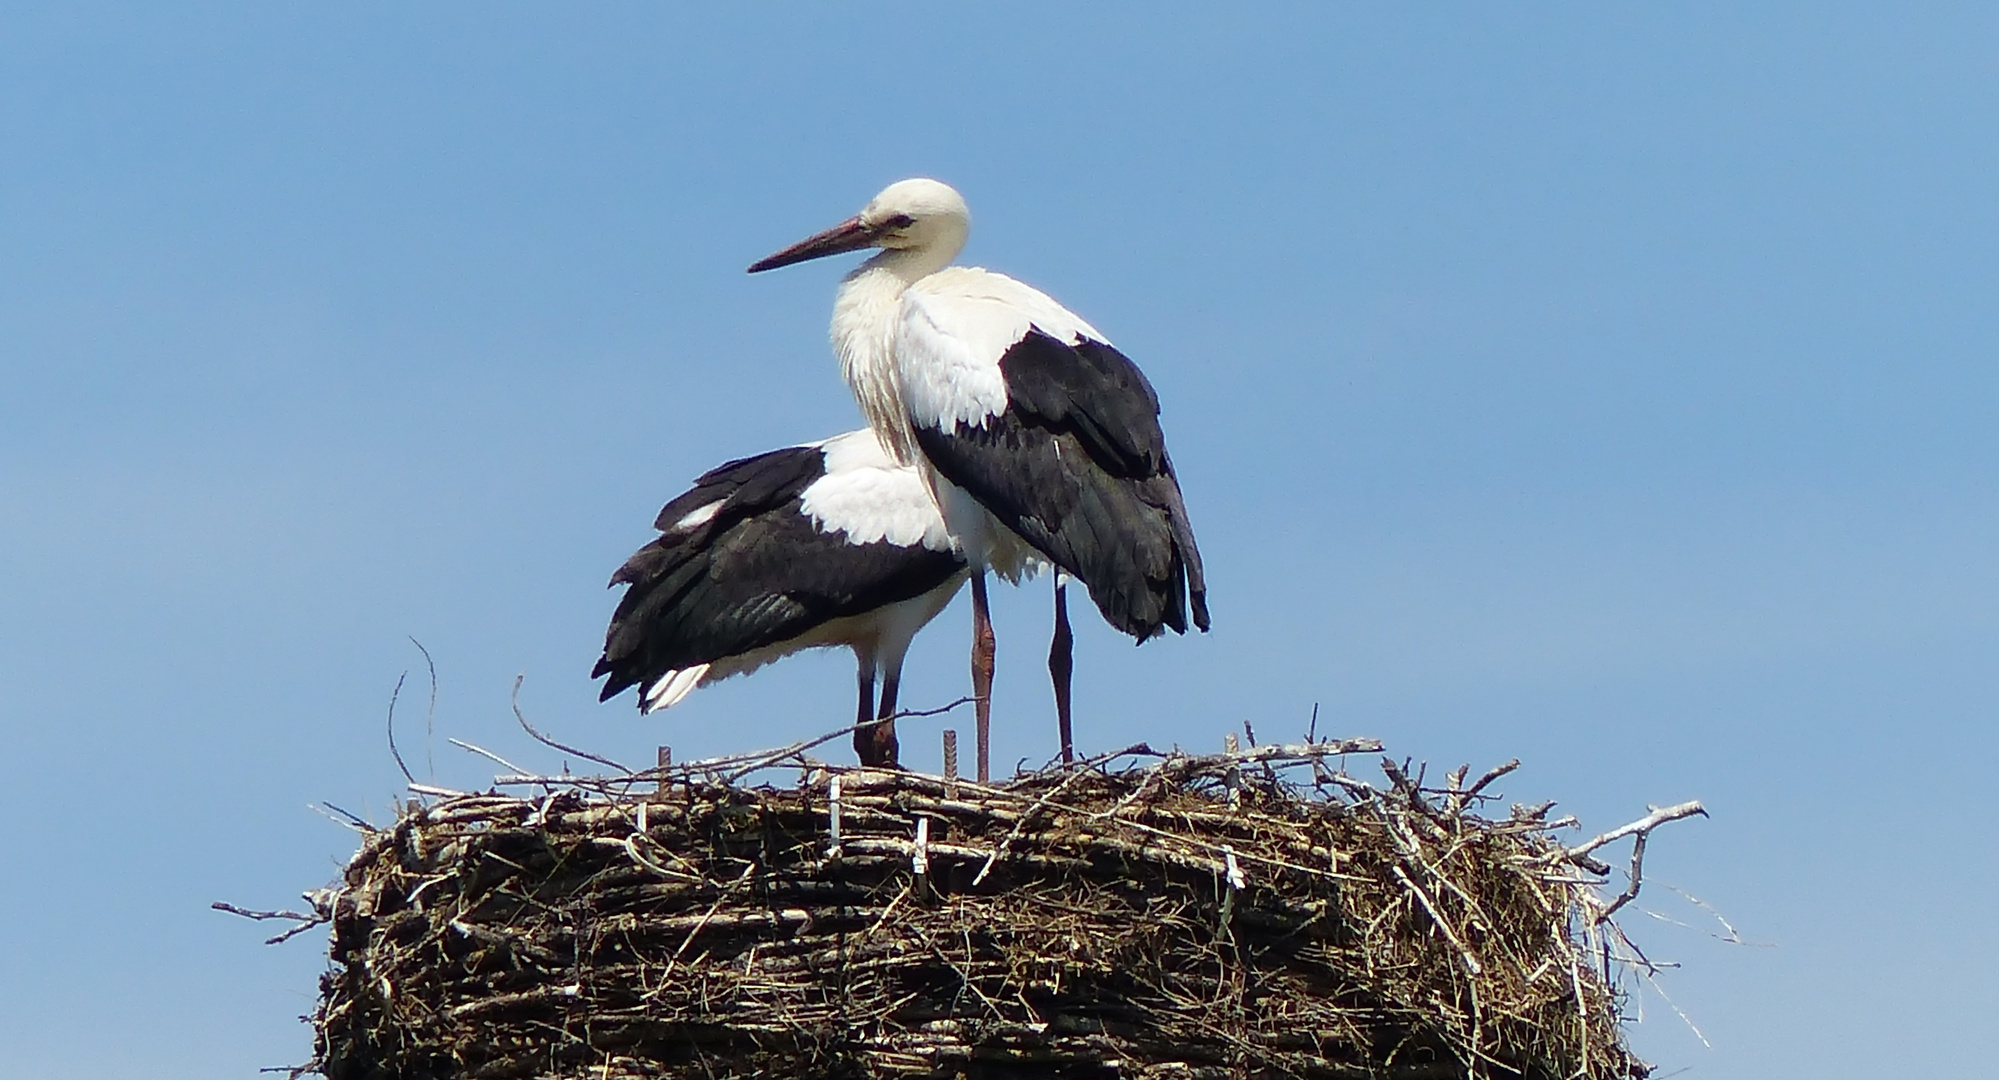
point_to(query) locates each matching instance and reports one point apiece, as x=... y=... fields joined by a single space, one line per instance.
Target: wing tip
x=670 y=687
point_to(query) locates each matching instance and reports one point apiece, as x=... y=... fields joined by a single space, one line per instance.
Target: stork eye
x=899 y=221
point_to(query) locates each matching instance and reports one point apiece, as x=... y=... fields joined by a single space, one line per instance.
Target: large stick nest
x=1173 y=917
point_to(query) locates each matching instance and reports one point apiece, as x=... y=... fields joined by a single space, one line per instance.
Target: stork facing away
x=1036 y=436
x=830 y=543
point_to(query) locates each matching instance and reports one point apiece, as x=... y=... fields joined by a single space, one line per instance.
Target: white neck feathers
x=863 y=331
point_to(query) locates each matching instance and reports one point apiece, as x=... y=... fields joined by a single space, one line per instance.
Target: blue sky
x=1609 y=387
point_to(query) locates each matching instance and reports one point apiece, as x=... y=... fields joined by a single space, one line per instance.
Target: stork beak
x=849 y=235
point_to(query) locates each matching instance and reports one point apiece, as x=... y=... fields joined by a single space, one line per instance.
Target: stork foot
x=877 y=746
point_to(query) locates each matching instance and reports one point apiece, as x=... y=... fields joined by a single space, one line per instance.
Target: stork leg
x=887 y=750
x=864 y=735
x=982 y=672
x=1061 y=664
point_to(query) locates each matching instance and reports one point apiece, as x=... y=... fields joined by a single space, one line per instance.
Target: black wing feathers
x=755 y=574
x=744 y=488
x=753 y=483
x=1077 y=466
x=1093 y=391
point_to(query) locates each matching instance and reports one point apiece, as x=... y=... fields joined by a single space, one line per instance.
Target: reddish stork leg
x=982 y=672
x=887 y=750
x=1061 y=664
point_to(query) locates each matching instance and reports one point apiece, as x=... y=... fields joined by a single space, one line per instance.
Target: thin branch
x=939 y=710
x=768 y=758
x=1492 y=774
x=429 y=712
x=485 y=753
x=1684 y=1018
x=296 y=916
x=305 y=921
x=398 y=754
x=1643 y=825
x=346 y=817
x=546 y=741
x=294 y=932
x=1630 y=892
x=1734 y=937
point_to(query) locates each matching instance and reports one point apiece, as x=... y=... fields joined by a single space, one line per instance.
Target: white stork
x=1036 y=436
x=830 y=543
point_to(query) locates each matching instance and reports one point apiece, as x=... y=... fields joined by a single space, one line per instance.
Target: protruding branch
x=546 y=741
x=393 y=752
x=305 y=921
x=1643 y=825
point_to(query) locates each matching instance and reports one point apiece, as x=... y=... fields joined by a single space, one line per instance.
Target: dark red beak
x=849 y=235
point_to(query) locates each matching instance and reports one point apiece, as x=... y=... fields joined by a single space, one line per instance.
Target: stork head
x=924 y=217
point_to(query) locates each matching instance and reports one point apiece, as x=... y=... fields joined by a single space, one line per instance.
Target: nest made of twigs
x=1176 y=916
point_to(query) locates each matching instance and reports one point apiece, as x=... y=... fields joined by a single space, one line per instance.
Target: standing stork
x=1036 y=436
x=830 y=543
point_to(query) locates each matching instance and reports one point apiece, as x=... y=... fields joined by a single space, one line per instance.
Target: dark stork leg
x=1061 y=664
x=982 y=672
x=864 y=736
x=887 y=750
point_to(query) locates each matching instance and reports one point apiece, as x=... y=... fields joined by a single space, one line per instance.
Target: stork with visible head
x=1038 y=438
x=830 y=543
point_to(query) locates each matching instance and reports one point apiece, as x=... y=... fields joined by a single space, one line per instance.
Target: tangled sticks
x=1173 y=915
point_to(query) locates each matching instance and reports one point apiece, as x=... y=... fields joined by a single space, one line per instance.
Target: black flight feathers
x=1077 y=466
x=749 y=485
x=755 y=574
